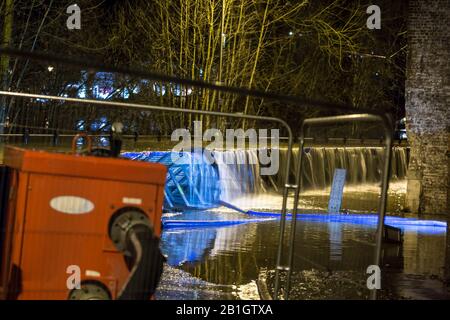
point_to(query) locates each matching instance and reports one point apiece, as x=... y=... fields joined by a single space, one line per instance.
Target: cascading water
x=239 y=173
x=364 y=165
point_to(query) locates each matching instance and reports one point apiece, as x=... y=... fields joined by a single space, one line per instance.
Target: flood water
x=330 y=257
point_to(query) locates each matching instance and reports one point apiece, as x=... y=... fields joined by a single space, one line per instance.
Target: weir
x=195 y=183
x=363 y=165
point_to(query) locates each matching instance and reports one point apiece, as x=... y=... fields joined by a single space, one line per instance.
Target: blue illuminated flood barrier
x=199 y=181
x=191 y=181
x=357 y=219
x=171 y=224
x=406 y=224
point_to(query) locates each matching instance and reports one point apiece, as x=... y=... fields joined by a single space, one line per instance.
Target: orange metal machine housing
x=57 y=220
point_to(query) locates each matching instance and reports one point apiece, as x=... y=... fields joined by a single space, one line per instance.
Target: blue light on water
x=406 y=224
x=187 y=237
x=187 y=246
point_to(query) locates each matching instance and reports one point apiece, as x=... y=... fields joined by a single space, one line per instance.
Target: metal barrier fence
x=302 y=102
x=388 y=132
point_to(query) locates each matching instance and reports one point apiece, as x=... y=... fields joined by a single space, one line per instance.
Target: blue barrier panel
x=399 y=222
x=192 y=182
x=168 y=224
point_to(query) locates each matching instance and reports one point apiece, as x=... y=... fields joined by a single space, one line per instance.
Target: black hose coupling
x=132 y=234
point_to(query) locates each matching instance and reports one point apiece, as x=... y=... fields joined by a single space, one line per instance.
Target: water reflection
x=183 y=246
x=335 y=230
x=235 y=255
x=331 y=250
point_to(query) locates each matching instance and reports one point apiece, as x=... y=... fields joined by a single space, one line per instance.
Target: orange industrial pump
x=79 y=227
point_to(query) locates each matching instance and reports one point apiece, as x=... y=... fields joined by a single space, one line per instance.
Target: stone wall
x=427 y=105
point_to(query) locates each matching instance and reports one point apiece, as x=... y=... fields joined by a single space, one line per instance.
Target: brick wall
x=427 y=100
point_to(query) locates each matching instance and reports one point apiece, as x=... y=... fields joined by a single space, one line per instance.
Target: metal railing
x=298 y=101
x=308 y=141
x=201 y=112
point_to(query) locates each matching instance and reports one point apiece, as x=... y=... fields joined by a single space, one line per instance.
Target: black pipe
x=147 y=264
x=132 y=233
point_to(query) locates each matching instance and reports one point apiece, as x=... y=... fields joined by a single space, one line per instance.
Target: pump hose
x=133 y=235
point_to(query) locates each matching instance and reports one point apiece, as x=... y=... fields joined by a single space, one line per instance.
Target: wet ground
x=330 y=258
x=177 y=284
